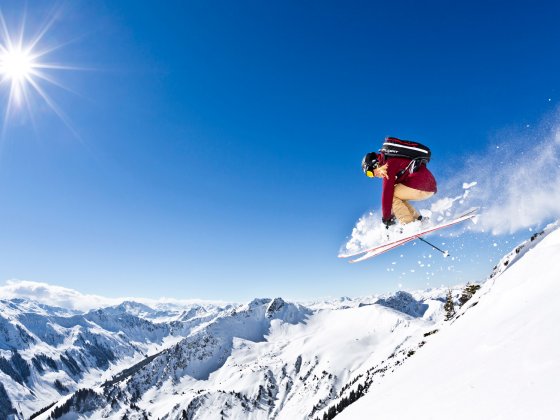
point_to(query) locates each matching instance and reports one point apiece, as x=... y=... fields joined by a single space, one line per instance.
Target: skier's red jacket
x=422 y=180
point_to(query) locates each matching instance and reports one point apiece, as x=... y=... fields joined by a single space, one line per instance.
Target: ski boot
x=393 y=230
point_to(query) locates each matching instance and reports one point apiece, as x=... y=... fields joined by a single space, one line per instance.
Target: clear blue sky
x=217 y=144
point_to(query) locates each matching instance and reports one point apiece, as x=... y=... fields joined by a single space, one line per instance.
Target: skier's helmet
x=370 y=162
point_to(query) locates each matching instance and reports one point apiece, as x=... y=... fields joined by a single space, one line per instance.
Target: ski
x=381 y=248
x=387 y=247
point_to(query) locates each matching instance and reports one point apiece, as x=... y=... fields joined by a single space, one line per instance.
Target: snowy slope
x=266 y=359
x=497 y=360
x=392 y=355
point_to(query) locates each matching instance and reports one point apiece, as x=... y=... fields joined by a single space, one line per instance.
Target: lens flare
x=16 y=67
x=24 y=71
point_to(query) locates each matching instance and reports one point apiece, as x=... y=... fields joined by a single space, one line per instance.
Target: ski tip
x=473 y=210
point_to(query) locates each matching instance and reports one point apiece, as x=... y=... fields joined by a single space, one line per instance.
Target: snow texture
x=495 y=360
x=392 y=355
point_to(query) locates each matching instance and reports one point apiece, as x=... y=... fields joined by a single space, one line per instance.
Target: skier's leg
x=412 y=210
x=401 y=210
x=402 y=195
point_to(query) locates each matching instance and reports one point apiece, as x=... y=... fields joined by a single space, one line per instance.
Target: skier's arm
x=387 y=194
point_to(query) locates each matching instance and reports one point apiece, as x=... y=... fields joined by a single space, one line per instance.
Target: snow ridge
x=495 y=349
x=269 y=358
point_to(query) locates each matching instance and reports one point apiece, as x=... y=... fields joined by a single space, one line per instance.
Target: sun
x=17 y=67
x=25 y=73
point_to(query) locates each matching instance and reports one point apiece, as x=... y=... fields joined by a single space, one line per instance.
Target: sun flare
x=17 y=68
x=17 y=65
x=25 y=75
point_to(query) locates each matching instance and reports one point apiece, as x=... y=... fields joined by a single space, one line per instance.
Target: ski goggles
x=370 y=164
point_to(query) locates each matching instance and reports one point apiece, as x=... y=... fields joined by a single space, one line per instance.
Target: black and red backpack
x=418 y=153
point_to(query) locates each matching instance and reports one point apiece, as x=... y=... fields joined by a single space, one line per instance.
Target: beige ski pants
x=402 y=210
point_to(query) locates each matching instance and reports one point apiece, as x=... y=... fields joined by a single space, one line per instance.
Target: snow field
x=498 y=360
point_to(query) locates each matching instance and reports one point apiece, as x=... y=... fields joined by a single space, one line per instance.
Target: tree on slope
x=449 y=306
x=468 y=292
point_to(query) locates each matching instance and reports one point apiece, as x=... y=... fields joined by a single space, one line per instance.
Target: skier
x=400 y=185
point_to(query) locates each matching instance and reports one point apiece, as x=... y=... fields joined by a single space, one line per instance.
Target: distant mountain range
x=267 y=359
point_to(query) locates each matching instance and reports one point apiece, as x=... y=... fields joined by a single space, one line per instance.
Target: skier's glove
x=389 y=222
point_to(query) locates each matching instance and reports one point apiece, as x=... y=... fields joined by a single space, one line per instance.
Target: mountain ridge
x=268 y=358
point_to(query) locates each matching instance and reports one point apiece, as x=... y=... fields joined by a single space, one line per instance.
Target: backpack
x=417 y=153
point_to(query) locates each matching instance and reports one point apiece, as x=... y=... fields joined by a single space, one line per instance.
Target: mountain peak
x=404 y=302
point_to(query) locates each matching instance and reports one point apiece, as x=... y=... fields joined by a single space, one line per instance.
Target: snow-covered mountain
x=392 y=355
x=262 y=359
x=497 y=359
x=47 y=352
